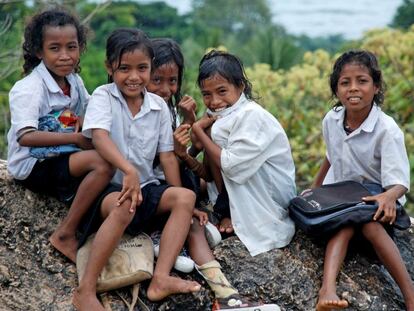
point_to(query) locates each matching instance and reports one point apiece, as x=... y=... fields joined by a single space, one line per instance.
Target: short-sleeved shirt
x=31 y=98
x=374 y=152
x=259 y=175
x=139 y=138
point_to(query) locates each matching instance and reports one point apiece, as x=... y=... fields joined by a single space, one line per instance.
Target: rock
x=33 y=276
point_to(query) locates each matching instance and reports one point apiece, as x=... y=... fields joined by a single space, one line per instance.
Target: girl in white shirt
x=129 y=126
x=365 y=145
x=166 y=79
x=251 y=150
x=53 y=41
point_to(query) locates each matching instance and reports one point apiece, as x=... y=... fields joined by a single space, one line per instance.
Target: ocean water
x=321 y=17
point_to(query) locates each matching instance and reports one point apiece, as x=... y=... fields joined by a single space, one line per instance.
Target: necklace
x=66 y=89
x=348 y=130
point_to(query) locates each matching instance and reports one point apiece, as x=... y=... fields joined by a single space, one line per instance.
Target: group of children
x=135 y=168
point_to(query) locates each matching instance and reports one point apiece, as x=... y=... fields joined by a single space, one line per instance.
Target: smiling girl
x=53 y=43
x=365 y=145
x=251 y=149
x=129 y=126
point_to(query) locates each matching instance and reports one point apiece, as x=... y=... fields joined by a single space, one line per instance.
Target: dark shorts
x=190 y=180
x=151 y=196
x=52 y=177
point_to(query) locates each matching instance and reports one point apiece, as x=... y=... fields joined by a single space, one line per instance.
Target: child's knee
x=102 y=167
x=105 y=170
x=347 y=232
x=122 y=213
x=372 y=230
x=185 y=199
x=343 y=235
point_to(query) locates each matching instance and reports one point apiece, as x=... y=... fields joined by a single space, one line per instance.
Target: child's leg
x=334 y=256
x=179 y=202
x=106 y=239
x=201 y=253
x=222 y=207
x=225 y=225
x=390 y=256
x=215 y=172
x=97 y=174
x=198 y=246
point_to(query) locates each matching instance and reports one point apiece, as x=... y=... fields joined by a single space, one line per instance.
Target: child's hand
x=202 y=216
x=386 y=206
x=78 y=124
x=188 y=106
x=131 y=189
x=181 y=140
x=83 y=142
x=205 y=122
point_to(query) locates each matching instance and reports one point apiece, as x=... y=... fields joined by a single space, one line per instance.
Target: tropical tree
x=404 y=17
x=214 y=20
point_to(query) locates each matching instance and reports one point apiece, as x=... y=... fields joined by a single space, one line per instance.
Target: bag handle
x=135 y=299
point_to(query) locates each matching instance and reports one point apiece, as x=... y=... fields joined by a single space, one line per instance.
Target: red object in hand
x=68 y=118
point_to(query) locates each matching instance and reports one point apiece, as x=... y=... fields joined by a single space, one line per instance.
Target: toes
x=195 y=287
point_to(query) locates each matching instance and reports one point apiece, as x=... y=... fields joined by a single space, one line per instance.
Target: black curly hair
x=33 y=35
x=363 y=58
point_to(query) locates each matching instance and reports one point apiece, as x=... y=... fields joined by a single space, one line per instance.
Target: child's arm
x=323 y=170
x=395 y=174
x=386 y=203
x=108 y=150
x=188 y=106
x=213 y=150
x=181 y=140
x=43 y=138
x=170 y=167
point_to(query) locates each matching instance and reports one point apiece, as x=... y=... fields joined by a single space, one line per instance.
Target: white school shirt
x=33 y=97
x=374 y=152
x=138 y=138
x=258 y=173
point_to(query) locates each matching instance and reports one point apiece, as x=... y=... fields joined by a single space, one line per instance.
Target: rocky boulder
x=33 y=276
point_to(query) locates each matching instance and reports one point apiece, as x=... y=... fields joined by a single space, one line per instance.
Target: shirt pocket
x=149 y=143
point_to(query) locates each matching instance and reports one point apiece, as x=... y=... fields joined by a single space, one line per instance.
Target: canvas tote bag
x=131 y=262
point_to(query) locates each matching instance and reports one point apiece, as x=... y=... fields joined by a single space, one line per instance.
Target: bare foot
x=86 y=301
x=225 y=226
x=161 y=287
x=66 y=244
x=329 y=302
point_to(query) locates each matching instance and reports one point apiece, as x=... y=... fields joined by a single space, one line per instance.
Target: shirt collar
x=50 y=82
x=366 y=126
x=369 y=123
x=242 y=99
